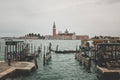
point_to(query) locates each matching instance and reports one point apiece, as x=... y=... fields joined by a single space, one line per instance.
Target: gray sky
x=84 y=17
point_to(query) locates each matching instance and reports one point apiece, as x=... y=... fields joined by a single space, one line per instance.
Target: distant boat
x=67 y=51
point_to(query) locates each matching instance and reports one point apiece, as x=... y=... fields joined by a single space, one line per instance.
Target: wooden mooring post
x=57 y=47
x=47 y=55
x=35 y=60
x=44 y=56
x=84 y=60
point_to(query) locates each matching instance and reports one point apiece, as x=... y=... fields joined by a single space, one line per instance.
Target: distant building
x=9 y=38
x=65 y=36
x=82 y=37
x=47 y=37
x=105 y=37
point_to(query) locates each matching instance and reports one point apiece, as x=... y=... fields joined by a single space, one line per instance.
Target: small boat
x=67 y=51
x=63 y=51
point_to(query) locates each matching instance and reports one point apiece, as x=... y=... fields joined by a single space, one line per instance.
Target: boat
x=108 y=61
x=66 y=51
x=63 y=51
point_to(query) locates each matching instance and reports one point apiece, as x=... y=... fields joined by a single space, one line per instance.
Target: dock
x=83 y=59
x=16 y=69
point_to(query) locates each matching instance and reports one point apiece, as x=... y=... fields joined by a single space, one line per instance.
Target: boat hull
x=66 y=52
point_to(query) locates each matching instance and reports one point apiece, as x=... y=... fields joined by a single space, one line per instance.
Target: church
x=66 y=35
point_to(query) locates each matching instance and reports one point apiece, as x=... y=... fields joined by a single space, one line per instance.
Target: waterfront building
x=82 y=37
x=62 y=36
x=66 y=35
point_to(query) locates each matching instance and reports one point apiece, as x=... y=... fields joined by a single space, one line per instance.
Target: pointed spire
x=54 y=29
x=54 y=26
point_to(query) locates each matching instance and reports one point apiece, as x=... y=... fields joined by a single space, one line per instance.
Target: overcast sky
x=84 y=17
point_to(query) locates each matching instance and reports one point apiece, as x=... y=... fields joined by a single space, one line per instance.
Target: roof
x=109 y=44
x=66 y=34
x=13 y=42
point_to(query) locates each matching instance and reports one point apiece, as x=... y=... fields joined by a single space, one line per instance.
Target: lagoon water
x=61 y=66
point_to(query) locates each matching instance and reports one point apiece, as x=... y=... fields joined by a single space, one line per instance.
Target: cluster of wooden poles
x=47 y=55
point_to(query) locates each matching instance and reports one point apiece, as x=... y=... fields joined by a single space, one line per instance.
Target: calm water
x=61 y=66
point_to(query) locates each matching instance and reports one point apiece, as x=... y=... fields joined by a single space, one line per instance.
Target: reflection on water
x=61 y=66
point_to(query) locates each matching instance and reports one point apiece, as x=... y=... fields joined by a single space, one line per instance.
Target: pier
x=64 y=66
x=108 y=63
x=84 y=60
x=83 y=56
x=16 y=57
x=16 y=69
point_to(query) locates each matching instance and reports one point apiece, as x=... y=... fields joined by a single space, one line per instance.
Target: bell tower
x=54 y=29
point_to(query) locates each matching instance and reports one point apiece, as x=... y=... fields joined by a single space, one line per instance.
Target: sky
x=84 y=17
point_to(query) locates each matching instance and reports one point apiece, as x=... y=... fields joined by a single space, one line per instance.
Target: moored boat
x=67 y=51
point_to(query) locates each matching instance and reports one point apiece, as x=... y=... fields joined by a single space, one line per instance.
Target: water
x=61 y=66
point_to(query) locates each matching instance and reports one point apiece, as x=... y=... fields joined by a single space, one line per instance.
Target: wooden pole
x=44 y=57
x=44 y=49
x=0 y=47
x=47 y=49
x=35 y=60
x=16 y=48
x=116 y=53
x=76 y=48
x=10 y=48
x=20 y=50
x=13 y=52
x=5 y=57
x=50 y=45
x=89 y=63
x=31 y=48
x=57 y=48
x=6 y=51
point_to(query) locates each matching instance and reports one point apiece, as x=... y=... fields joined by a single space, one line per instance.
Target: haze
x=84 y=17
